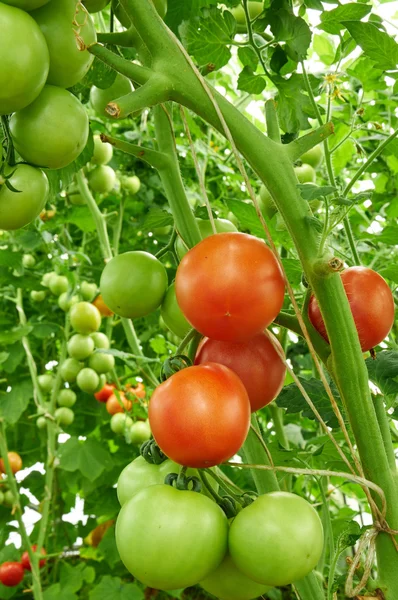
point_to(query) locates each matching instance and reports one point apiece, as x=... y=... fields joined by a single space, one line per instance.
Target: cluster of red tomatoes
x=12 y=572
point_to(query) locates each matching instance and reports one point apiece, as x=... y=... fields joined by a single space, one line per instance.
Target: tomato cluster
x=12 y=572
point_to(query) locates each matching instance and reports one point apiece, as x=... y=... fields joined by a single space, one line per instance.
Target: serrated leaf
x=376 y=44
x=293 y=30
x=44 y=330
x=71 y=578
x=114 y=588
x=185 y=10
x=15 y=334
x=82 y=218
x=292 y=399
x=88 y=456
x=158 y=345
x=248 y=57
x=331 y=21
x=293 y=105
x=349 y=537
x=383 y=371
x=55 y=592
x=293 y=270
x=310 y=191
x=315 y=223
x=249 y=82
x=157 y=217
x=15 y=402
x=246 y=213
x=278 y=59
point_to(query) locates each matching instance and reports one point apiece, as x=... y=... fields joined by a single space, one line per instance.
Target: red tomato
x=138 y=390
x=200 y=416
x=25 y=560
x=113 y=406
x=230 y=286
x=256 y=362
x=11 y=573
x=15 y=463
x=371 y=302
x=104 y=393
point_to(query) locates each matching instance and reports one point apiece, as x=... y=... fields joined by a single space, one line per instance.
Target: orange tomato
x=138 y=391
x=102 y=307
x=113 y=406
x=15 y=462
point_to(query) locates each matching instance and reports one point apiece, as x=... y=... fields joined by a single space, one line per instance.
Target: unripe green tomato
x=255 y=9
x=88 y=290
x=38 y=296
x=131 y=184
x=45 y=280
x=305 y=174
x=102 y=382
x=1 y=497
x=315 y=204
x=172 y=315
x=58 y=285
x=41 y=423
x=101 y=340
x=313 y=157
x=140 y=432
x=28 y=261
x=88 y=380
x=120 y=422
x=76 y=199
x=99 y=98
x=80 y=346
x=46 y=382
x=103 y=152
x=85 y=318
x=8 y=498
x=102 y=180
x=66 y=398
x=64 y=416
x=94 y=6
x=267 y=204
x=101 y=363
x=65 y=301
x=161 y=231
x=70 y=369
x=206 y=230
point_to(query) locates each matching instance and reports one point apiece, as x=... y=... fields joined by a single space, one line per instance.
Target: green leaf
x=88 y=456
x=390 y=272
x=376 y=44
x=158 y=345
x=28 y=240
x=246 y=213
x=294 y=106
x=325 y=49
x=56 y=592
x=209 y=37
x=15 y=402
x=108 y=548
x=114 y=588
x=331 y=21
x=15 y=334
x=248 y=57
x=71 y=578
x=249 y=82
x=292 y=399
x=82 y=218
x=185 y=10
x=10 y=259
x=349 y=537
x=293 y=270
x=157 y=217
x=293 y=30
x=310 y=191
x=16 y=355
x=45 y=330
x=383 y=371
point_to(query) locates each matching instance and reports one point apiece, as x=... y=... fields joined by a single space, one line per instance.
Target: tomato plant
x=20 y=207
x=100 y=98
x=25 y=560
x=80 y=346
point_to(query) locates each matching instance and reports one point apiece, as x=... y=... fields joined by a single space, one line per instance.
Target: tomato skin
x=313 y=156
x=67 y=398
x=11 y=573
x=70 y=369
x=172 y=315
x=255 y=9
x=276 y=540
x=26 y=4
x=101 y=363
x=371 y=302
x=66 y=301
x=94 y=6
x=15 y=463
x=133 y=284
x=64 y=416
x=140 y=474
x=138 y=391
x=103 y=152
x=102 y=307
x=88 y=290
x=113 y=407
x=68 y=64
x=46 y=382
x=139 y=433
x=131 y=184
x=85 y=318
x=24 y=59
x=228 y=583
x=38 y=296
x=88 y=380
x=80 y=346
x=120 y=423
x=52 y=131
x=58 y=285
x=305 y=173
x=205 y=228
x=19 y=209
x=104 y=393
x=102 y=180
x=101 y=340
x=25 y=560
x=100 y=98
x=207 y=411
x=187 y=529
x=256 y=363
x=230 y=286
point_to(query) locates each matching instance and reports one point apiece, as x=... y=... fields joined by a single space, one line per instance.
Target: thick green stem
x=254 y=453
x=158 y=160
x=125 y=67
x=277 y=419
x=97 y=215
x=310 y=588
x=271 y=117
x=127 y=38
x=384 y=424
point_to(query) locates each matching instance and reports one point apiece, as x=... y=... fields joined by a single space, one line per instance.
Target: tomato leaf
x=248 y=57
x=157 y=217
x=376 y=44
x=15 y=402
x=292 y=399
x=310 y=191
x=249 y=82
x=115 y=588
x=291 y=29
x=56 y=592
x=383 y=371
x=89 y=457
x=331 y=21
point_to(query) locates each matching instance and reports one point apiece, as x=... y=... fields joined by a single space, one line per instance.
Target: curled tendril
x=248 y=498
x=152 y=453
x=174 y=364
x=229 y=506
x=181 y=482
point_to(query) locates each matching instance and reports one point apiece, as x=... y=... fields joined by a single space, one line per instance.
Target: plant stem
x=384 y=425
x=254 y=453
x=97 y=215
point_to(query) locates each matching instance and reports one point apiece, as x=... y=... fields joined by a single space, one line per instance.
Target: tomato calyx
x=151 y=452
x=174 y=364
x=181 y=482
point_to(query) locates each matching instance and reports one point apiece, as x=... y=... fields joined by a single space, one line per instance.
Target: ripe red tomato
x=15 y=462
x=371 y=302
x=25 y=560
x=256 y=363
x=11 y=573
x=104 y=393
x=230 y=286
x=200 y=416
x=113 y=406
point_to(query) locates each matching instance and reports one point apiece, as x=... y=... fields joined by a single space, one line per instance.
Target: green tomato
x=305 y=174
x=24 y=59
x=41 y=423
x=88 y=380
x=64 y=416
x=172 y=315
x=65 y=301
x=102 y=382
x=101 y=340
x=140 y=432
x=103 y=152
x=120 y=422
x=101 y=363
x=76 y=198
x=140 y=474
x=101 y=98
x=255 y=9
x=276 y=540
x=68 y=63
x=70 y=369
x=161 y=231
x=102 y=180
x=66 y=398
x=266 y=202
x=28 y=261
x=160 y=518
x=133 y=284
x=37 y=296
x=46 y=382
x=85 y=317
x=19 y=209
x=26 y=4
x=313 y=157
x=228 y=583
x=45 y=280
x=206 y=230
x=131 y=184
x=53 y=130
x=160 y=5
x=94 y=6
x=8 y=498
x=58 y=285
x=88 y=290
x=80 y=346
